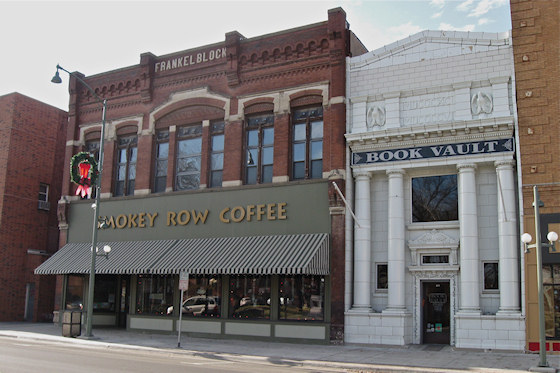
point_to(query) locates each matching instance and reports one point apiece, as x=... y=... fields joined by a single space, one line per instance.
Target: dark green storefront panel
x=265 y=210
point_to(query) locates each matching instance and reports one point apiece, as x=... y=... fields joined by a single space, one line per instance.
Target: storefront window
x=249 y=297
x=202 y=299
x=74 y=293
x=104 y=294
x=302 y=297
x=434 y=198
x=154 y=294
x=551 y=287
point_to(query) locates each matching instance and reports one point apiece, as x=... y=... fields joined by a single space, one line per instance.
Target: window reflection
x=302 y=297
x=105 y=293
x=249 y=297
x=74 y=293
x=434 y=198
x=202 y=299
x=154 y=294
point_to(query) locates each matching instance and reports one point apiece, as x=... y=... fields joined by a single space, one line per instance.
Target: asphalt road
x=18 y=356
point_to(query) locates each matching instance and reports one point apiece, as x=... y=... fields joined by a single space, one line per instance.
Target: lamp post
x=94 y=250
x=526 y=238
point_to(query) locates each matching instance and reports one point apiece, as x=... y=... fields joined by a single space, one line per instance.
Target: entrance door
x=435 y=312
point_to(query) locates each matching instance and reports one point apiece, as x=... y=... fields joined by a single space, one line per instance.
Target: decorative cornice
x=434 y=239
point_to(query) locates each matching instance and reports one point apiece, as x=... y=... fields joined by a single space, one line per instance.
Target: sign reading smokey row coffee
x=434 y=151
x=268 y=210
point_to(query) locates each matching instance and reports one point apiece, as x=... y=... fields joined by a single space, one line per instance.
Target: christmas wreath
x=84 y=172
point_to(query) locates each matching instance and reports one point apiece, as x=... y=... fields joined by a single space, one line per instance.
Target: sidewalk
x=357 y=358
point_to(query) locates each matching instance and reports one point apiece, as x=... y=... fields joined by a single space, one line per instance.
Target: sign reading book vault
x=434 y=151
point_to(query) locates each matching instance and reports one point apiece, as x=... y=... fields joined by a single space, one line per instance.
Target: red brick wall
x=291 y=61
x=31 y=152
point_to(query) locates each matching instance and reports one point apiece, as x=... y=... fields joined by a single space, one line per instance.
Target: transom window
x=307 y=143
x=189 y=151
x=162 y=157
x=434 y=198
x=260 y=149
x=216 y=154
x=127 y=150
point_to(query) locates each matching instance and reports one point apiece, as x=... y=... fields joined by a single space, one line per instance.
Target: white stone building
x=433 y=255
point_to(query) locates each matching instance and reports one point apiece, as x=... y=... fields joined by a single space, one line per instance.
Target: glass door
x=435 y=312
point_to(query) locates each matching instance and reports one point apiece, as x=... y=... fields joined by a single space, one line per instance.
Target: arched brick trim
x=258 y=105
x=307 y=100
x=92 y=134
x=190 y=114
x=307 y=92
x=202 y=101
x=127 y=128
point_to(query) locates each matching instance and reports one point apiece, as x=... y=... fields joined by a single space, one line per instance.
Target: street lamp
x=526 y=239
x=94 y=253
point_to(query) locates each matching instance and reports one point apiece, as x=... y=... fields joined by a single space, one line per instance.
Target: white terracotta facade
x=436 y=103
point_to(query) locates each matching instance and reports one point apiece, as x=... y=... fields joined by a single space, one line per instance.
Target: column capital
x=504 y=164
x=395 y=172
x=466 y=166
x=361 y=174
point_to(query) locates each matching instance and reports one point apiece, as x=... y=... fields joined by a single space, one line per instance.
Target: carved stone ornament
x=433 y=243
x=375 y=116
x=481 y=103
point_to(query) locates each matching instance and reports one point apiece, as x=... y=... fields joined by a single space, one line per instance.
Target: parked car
x=199 y=305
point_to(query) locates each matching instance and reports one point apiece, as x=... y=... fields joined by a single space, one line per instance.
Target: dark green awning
x=281 y=254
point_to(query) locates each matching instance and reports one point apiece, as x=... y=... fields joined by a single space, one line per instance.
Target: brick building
x=433 y=173
x=32 y=138
x=536 y=44
x=219 y=163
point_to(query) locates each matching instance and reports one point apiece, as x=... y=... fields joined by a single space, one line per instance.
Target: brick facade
x=536 y=44
x=31 y=152
x=226 y=81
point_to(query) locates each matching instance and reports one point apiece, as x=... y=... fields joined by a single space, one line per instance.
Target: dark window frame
x=486 y=280
x=129 y=144
x=313 y=114
x=260 y=123
x=161 y=137
x=385 y=283
x=216 y=129
x=186 y=133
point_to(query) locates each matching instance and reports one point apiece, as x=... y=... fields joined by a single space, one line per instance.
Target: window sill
x=433 y=225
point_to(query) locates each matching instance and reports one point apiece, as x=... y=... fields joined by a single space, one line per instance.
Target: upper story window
x=188 y=159
x=127 y=150
x=307 y=143
x=434 y=198
x=44 y=196
x=92 y=147
x=216 y=154
x=259 y=142
x=161 y=160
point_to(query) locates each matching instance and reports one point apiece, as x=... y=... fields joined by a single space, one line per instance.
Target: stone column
x=508 y=270
x=362 y=243
x=396 y=241
x=468 y=226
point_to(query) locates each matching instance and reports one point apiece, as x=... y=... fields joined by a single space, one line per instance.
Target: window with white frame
x=382 y=282
x=44 y=196
x=490 y=271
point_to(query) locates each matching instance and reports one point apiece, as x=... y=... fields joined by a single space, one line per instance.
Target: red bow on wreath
x=83 y=171
x=84 y=185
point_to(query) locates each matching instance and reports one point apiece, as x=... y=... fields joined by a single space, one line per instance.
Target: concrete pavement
x=354 y=358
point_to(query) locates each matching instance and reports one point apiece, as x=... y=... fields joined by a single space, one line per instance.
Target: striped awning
x=282 y=254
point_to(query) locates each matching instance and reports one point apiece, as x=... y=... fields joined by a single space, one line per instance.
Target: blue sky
x=93 y=37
